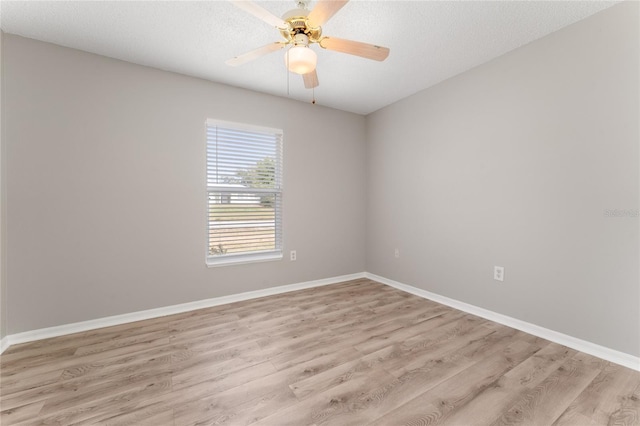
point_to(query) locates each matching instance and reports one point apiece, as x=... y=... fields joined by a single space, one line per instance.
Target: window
x=244 y=191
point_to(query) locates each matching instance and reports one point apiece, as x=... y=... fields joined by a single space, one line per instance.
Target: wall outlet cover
x=498 y=273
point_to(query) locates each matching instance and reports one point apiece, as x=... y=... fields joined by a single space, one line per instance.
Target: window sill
x=216 y=261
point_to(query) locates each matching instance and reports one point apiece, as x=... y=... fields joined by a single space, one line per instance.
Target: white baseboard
x=608 y=354
x=45 y=333
x=4 y=344
x=590 y=348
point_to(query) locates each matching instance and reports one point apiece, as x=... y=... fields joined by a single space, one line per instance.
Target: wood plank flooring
x=355 y=353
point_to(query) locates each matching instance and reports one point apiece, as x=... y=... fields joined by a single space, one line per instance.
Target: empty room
x=322 y=212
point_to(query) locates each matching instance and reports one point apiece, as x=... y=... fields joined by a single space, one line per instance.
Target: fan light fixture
x=301 y=59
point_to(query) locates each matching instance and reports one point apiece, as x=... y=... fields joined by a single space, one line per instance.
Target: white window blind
x=244 y=189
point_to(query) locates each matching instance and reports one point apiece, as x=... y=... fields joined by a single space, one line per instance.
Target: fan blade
x=365 y=50
x=260 y=13
x=323 y=11
x=310 y=80
x=255 y=54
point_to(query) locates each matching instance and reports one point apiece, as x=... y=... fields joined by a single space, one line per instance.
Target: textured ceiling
x=430 y=41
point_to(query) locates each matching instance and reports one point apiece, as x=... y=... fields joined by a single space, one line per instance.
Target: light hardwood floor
x=355 y=353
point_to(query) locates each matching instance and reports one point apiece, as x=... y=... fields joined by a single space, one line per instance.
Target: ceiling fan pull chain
x=287 y=71
x=313 y=93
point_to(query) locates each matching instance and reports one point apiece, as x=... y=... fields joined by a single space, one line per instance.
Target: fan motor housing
x=298 y=24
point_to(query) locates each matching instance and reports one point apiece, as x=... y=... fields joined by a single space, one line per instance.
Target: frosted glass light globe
x=301 y=59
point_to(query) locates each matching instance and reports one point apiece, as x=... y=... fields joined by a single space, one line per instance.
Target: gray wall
x=106 y=187
x=3 y=204
x=514 y=163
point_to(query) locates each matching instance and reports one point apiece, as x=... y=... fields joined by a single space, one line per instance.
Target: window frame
x=252 y=256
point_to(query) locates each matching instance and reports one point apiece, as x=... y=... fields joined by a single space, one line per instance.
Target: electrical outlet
x=498 y=273
x=397 y=253
x=292 y=255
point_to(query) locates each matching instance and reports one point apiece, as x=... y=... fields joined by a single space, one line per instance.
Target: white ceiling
x=430 y=41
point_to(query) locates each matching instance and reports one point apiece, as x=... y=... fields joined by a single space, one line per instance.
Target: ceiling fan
x=300 y=28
